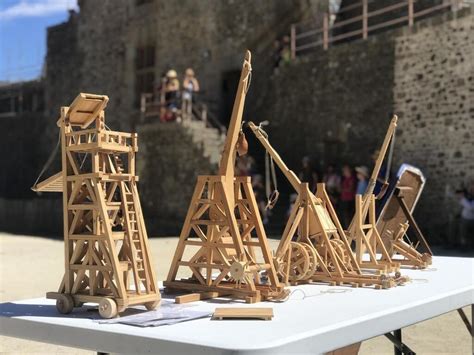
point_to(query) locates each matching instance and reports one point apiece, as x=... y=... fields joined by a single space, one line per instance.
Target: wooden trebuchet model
x=107 y=258
x=363 y=226
x=223 y=246
x=314 y=247
x=396 y=219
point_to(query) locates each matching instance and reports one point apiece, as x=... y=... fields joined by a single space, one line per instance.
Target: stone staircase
x=208 y=138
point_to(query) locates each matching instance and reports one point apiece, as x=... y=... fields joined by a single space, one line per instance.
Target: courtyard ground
x=31 y=266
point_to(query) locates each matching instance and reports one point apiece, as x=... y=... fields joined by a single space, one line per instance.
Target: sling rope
x=51 y=159
x=48 y=162
x=270 y=174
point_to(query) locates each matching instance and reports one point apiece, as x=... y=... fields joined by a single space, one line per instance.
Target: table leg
x=398 y=335
x=465 y=320
x=399 y=347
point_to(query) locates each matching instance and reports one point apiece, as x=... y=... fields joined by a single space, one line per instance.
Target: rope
x=270 y=175
x=418 y=281
x=249 y=80
x=49 y=161
x=305 y=296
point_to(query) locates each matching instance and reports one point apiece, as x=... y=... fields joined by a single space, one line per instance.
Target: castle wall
x=433 y=93
x=335 y=106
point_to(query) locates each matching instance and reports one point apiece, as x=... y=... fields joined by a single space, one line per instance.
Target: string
x=418 y=281
x=49 y=161
x=270 y=174
x=305 y=295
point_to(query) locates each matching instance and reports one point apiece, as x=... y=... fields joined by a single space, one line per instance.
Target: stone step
x=208 y=138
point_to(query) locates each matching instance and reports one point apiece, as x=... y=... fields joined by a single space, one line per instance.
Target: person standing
x=466 y=228
x=332 y=180
x=190 y=86
x=362 y=179
x=307 y=173
x=171 y=95
x=347 y=198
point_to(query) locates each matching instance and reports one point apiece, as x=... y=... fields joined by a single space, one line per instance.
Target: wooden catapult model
x=107 y=258
x=396 y=219
x=314 y=247
x=363 y=228
x=223 y=243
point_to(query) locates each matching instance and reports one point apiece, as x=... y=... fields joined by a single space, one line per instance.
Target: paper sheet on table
x=167 y=314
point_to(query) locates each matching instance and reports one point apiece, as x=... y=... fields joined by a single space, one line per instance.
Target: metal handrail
x=150 y=107
x=364 y=31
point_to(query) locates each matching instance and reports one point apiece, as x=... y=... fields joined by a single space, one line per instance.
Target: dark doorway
x=230 y=81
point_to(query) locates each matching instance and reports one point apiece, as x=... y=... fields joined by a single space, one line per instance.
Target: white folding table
x=316 y=323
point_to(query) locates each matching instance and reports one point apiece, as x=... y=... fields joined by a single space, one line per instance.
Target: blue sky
x=23 y=26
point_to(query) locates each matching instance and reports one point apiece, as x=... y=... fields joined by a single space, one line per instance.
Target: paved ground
x=31 y=266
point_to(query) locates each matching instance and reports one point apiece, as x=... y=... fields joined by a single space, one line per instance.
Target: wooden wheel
x=313 y=260
x=64 y=303
x=299 y=263
x=152 y=305
x=238 y=269
x=107 y=308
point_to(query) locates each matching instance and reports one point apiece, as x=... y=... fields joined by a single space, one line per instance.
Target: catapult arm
x=227 y=163
x=380 y=158
x=375 y=173
x=289 y=174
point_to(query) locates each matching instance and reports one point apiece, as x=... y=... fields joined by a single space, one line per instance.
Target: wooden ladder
x=134 y=237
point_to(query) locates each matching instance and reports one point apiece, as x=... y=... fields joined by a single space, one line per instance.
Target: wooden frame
x=314 y=247
x=107 y=258
x=396 y=219
x=224 y=225
x=363 y=229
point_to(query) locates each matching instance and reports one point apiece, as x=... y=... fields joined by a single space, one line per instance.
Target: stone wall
x=330 y=105
x=40 y=215
x=91 y=53
x=335 y=106
x=434 y=97
x=168 y=164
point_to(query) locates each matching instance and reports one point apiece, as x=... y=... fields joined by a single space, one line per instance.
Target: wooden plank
x=265 y=313
x=52 y=184
x=198 y=296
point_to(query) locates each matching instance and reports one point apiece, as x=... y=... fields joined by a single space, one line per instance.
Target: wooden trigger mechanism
x=107 y=259
x=223 y=249
x=314 y=247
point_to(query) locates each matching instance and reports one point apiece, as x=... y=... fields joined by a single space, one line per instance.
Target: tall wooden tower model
x=223 y=246
x=107 y=259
